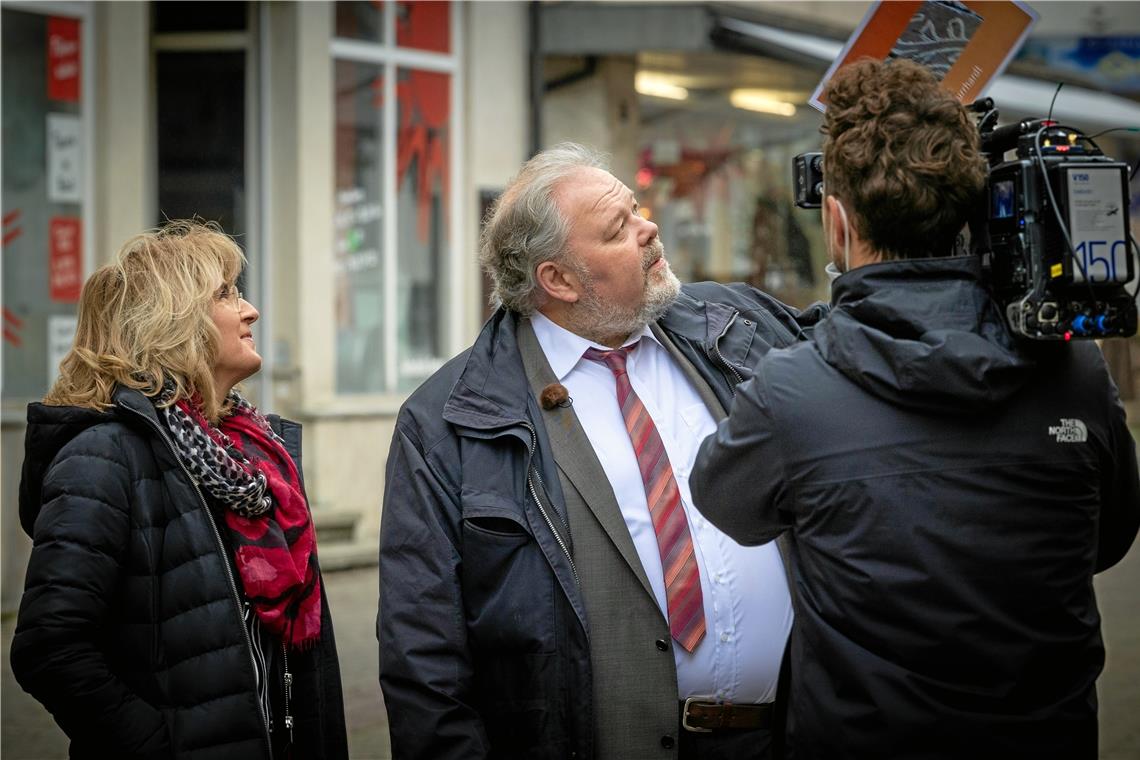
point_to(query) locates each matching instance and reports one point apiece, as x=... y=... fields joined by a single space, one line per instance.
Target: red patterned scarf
x=274 y=551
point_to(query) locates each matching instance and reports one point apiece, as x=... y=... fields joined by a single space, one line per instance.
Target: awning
x=1016 y=97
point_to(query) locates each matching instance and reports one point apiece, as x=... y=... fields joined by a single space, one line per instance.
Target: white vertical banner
x=64 y=158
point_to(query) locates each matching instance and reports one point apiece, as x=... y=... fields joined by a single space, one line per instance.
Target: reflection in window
x=43 y=194
x=358 y=228
x=360 y=20
x=422 y=163
x=424 y=25
x=393 y=201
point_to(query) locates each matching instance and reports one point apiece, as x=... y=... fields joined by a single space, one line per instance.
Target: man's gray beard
x=598 y=320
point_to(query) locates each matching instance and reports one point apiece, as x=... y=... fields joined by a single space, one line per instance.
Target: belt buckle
x=685 y=715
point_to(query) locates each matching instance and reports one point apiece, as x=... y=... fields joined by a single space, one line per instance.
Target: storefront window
x=359 y=227
x=424 y=99
x=394 y=211
x=360 y=20
x=44 y=194
x=424 y=26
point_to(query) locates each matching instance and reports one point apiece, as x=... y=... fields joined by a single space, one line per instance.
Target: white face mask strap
x=846 y=237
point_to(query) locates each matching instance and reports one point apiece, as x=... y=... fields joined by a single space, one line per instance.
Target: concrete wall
x=125 y=183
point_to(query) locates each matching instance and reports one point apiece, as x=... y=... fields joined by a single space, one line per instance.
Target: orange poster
x=966 y=44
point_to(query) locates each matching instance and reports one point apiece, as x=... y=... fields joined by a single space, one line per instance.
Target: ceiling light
x=658 y=86
x=762 y=101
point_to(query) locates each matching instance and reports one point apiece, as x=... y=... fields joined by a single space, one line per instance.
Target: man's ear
x=559 y=282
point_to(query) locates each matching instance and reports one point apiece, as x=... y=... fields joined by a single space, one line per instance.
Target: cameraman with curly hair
x=950 y=491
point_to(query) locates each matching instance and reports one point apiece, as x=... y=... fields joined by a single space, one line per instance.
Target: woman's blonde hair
x=147 y=316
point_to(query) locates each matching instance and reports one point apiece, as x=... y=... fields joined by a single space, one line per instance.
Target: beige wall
x=125 y=193
x=497 y=124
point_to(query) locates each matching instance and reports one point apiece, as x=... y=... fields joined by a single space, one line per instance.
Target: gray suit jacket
x=631 y=651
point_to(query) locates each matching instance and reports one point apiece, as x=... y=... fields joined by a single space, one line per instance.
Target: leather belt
x=700 y=715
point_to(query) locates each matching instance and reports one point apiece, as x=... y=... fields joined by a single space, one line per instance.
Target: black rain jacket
x=484 y=645
x=130 y=629
x=950 y=494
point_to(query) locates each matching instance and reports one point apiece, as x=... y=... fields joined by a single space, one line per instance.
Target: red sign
x=65 y=262
x=63 y=59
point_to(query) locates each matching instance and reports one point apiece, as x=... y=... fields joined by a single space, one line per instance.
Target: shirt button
x=725 y=637
x=667 y=741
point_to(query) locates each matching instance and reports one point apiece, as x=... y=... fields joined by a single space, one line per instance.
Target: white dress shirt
x=748 y=611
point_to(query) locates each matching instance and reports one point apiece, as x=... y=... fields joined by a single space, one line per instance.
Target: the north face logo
x=1069 y=431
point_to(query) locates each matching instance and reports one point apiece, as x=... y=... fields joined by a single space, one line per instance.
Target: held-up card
x=966 y=44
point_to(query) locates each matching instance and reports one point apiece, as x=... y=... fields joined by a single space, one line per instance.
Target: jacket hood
x=485 y=394
x=923 y=334
x=50 y=428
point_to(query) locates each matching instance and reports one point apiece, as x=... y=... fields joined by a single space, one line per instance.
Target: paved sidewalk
x=28 y=733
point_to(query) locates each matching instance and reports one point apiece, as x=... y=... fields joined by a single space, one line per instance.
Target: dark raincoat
x=950 y=494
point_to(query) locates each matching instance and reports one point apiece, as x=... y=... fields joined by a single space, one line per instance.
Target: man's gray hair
x=525 y=227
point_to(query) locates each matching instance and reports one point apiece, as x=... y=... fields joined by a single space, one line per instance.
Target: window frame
x=390 y=58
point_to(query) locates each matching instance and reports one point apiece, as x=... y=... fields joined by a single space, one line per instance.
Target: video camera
x=1052 y=228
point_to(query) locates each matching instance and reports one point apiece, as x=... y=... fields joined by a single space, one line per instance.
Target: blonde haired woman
x=173 y=604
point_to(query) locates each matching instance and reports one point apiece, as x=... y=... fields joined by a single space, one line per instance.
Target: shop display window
x=394 y=215
x=358 y=226
x=424 y=103
x=45 y=192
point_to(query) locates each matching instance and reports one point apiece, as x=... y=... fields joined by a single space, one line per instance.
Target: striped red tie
x=678 y=563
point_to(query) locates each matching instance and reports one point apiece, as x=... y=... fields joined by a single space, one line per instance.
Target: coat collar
x=134 y=401
x=492 y=389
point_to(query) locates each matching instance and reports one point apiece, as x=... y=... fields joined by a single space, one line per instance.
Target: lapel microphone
x=554 y=395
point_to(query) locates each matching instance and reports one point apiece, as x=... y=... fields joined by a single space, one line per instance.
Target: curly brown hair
x=903 y=154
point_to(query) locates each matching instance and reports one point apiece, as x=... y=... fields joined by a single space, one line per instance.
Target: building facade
x=344 y=144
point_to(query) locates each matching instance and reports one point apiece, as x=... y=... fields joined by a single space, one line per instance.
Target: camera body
x=1051 y=228
x=1053 y=232
x=807 y=174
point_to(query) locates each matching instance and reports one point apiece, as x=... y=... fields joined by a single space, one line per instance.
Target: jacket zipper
x=288 y=692
x=221 y=549
x=542 y=509
x=720 y=358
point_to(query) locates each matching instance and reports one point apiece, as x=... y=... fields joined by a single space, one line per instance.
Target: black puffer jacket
x=950 y=494
x=130 y=629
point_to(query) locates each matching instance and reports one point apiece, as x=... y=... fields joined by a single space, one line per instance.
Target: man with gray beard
x=546 y=588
